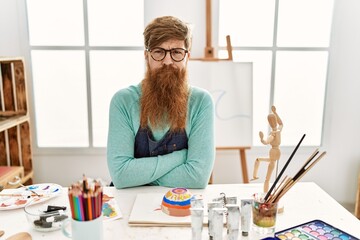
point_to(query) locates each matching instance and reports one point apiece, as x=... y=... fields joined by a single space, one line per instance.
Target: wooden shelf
x=15 y=137
x=6 y=123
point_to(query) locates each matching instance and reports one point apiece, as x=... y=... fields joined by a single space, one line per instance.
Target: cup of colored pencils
x=86 y=209
x=85 y=200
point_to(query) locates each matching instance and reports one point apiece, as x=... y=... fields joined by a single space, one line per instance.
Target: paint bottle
x=245 y=216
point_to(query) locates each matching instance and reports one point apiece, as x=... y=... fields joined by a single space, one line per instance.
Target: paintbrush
x=299 y=175
x=283 y=169
x=284 y=187
x=303 y=173
x=19 y=195
x=303 y=168
x=28 y=189
x=18 y=182
x=279 y=189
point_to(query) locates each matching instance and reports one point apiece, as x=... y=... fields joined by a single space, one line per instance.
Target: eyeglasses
x=176 y=54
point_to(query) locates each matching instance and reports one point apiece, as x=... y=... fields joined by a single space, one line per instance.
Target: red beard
x=164 y=98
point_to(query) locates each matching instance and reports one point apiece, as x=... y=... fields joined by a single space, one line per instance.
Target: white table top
x=303 y=203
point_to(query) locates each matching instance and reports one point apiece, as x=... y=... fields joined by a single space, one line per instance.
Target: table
x=306 y=201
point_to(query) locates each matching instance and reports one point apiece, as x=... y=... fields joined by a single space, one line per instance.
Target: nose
x=167 y=60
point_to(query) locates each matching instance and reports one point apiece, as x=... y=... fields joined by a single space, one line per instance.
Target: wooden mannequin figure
x=274 y=139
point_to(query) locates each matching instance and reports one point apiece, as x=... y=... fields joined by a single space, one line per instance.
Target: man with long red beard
x=161 y=132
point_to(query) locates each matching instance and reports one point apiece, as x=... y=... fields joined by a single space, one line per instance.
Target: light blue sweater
x=189 y=168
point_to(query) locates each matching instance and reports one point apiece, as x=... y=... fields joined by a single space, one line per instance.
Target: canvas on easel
x=230 y=84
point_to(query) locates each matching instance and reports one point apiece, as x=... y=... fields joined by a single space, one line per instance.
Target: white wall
x=342 y=115
x=9 y=29
x=194 y=15
x=336 y=173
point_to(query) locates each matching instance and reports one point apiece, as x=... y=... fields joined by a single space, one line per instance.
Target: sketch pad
x=147 y=211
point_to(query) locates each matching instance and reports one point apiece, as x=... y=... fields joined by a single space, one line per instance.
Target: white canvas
x=147 y=211
x=230 y=84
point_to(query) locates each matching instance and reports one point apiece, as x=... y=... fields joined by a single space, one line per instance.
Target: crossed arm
x=188 y=168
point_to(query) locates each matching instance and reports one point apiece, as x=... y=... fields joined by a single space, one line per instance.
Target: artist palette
x=20 y=197
x=314 y=230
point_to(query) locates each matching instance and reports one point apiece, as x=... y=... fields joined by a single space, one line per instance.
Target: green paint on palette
x=335 y=233
x=303 y=236
x=296 y=232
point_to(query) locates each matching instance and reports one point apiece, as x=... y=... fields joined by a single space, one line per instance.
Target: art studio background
x=337 y=173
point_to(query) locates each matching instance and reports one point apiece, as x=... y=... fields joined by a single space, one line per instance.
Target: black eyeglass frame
x=166 y=51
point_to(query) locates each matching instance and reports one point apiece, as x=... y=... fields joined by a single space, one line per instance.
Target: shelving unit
x=15 y=138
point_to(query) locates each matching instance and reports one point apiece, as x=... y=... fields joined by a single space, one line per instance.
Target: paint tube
x=218 y=223
x=211 y=206
x=245 y=216
x=233 y=221
x=197 y=219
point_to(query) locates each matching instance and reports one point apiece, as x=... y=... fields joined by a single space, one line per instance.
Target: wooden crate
x=15 y=138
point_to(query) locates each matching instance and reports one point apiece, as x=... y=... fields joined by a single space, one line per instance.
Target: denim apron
x=146 y=146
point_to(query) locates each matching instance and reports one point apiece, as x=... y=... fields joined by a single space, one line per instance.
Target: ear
x=146 y=56
x=187 y=57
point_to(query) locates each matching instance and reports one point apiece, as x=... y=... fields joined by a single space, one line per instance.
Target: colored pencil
x=85 y=200
x=77 y=208
x=71 y=202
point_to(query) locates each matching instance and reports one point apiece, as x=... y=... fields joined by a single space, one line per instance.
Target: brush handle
x=284 y=168
x=290 y=185
x=19 y=195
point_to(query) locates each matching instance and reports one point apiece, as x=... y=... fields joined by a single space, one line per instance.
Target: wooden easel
x=209 y=49
x=209 y=56
x=243 y=163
